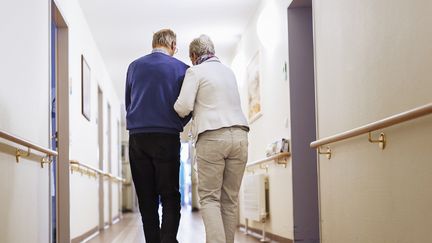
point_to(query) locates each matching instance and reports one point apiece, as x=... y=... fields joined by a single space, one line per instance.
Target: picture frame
x=253 y=80
x=85 y=89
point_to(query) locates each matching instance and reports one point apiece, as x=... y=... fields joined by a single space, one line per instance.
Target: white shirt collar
x=160 y=50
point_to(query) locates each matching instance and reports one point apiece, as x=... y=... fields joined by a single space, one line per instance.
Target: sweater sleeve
x=186 y=100
x=128 y=86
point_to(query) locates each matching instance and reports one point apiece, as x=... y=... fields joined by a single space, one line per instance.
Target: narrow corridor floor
x=129 y=230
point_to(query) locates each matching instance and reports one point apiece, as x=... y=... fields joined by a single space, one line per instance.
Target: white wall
x=373 y=60
x=24 y=111
x=84 y=133
x=275 y=108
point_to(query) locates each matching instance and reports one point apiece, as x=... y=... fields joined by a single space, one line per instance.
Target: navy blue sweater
x=152 y=86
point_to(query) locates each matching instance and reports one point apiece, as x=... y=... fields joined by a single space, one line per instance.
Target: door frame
x=100 y=124
x=53 y=131
x=301 y=48
x=62 y=94
x=109 y=157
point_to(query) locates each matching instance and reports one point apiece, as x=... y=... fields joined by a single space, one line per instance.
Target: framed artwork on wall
x=85 y=89
x=254 y=84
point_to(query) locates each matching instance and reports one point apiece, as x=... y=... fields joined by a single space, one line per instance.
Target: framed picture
x=85 y=89
x=253 y=83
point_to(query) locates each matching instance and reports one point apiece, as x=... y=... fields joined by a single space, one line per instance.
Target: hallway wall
x=373 y=60
x=84 y=134
x=275 y=120
x=24 y=111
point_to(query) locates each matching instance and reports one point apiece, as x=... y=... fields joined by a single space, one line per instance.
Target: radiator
x=255 y=199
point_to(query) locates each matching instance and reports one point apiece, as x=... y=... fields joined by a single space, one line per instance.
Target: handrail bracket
x=19 y=153
x=381 y=140
x=46 y=160
x=278 y=159
x=328 y=152
x=282 y=161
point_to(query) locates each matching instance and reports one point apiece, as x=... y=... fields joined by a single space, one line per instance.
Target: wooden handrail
x=278 y=158
x=26 y=143
x=116 y=178
x=96 y=171
x=91 y=168
x=386 y=122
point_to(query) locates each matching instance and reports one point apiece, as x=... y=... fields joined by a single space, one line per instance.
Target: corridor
x=302 y=121
x=129 y=229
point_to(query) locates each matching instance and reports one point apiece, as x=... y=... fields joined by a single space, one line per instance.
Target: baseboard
x=86 y=235
x=271 y=236
x=116 y=219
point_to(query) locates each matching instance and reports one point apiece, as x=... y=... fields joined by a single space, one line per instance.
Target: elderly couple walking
x=162 y=95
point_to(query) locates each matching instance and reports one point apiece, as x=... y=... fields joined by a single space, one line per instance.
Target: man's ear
x=193 y=58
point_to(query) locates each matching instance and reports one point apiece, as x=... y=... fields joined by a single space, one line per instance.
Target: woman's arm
x=186 y=100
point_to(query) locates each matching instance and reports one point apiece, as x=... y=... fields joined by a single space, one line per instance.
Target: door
x=109 y=182
x=53 y=132
x=101 y=159
x=59 y=132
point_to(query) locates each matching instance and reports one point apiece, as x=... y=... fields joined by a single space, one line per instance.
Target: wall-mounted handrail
x=26 y=143
x=87 y=167
x=116 y=178
x=95 y=171
x=386 y=122
x=281 y=158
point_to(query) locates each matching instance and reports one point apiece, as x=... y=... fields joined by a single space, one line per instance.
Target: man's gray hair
x=202 y=45
x=164 y=37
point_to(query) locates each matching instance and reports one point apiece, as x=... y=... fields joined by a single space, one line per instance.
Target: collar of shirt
x=160 y=50
x=207 y=58
x=213 y=59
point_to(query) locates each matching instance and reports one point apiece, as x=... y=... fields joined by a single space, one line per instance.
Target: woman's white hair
x=164 y=37
x=202 y=45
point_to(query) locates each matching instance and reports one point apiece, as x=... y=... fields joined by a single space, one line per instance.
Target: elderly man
x=210 y=91
x=152 y=86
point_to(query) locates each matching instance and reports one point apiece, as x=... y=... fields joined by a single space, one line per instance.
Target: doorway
x=53 y=131
x=109 y=167
x=119 y=171
x=185 y=175
x=303 y=122
x=100 y=125
x=59 y=127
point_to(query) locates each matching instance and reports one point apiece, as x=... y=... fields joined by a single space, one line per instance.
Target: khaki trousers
x=221 y=158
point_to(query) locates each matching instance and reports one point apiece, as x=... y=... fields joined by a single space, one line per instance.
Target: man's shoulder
x=138 y=60
x=160 y=57
x=145 y=58
x=178 y=62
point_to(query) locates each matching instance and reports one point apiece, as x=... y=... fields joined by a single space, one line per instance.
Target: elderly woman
x=210 y=92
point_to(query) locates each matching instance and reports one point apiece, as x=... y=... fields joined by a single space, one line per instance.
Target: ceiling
x=123 y=29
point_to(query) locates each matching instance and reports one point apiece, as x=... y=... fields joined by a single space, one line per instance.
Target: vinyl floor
x=129 y=230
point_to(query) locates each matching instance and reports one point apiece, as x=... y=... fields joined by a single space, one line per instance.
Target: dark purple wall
x=303 y=123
